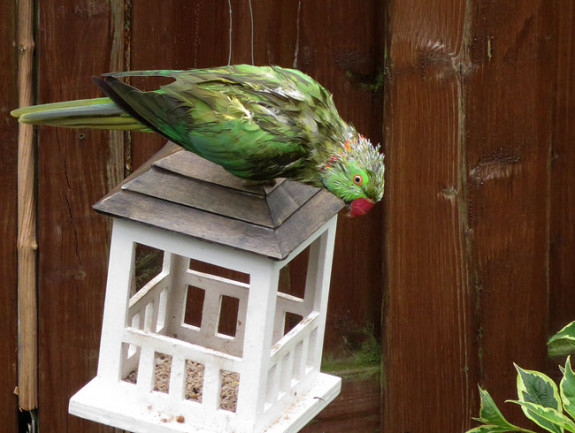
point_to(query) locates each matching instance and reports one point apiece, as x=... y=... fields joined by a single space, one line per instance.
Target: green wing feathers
x=257 y=122
x=238 y=116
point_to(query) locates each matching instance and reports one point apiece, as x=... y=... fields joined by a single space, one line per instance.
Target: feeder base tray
x=121 y=407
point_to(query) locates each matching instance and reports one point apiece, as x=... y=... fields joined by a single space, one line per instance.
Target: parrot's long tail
x=98 y=113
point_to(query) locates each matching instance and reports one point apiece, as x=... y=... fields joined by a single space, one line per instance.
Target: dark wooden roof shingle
x=179 y=191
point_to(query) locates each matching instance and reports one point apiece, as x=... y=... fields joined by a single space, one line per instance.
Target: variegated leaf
x=567 y=388
x=536 y=387
x=491 y=416
x=548 y=418
x=562 y=343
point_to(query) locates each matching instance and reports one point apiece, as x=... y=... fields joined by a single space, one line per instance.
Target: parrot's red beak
x=360 y=206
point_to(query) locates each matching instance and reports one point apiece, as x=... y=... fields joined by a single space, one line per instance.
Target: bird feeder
x=166 y=362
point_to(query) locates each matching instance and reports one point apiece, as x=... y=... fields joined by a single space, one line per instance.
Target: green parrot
x=257 y=122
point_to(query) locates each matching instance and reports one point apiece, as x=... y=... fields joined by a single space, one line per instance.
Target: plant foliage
x=549 y=406
x=562 y=343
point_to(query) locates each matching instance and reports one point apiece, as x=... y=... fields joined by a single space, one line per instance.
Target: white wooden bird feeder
x=263 y=375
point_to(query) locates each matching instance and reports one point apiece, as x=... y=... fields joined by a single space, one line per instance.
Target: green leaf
x=562 y=343
x=556 y=421
x=537 y=388
x=489 y=413
x=567 y=388
x=491 y=416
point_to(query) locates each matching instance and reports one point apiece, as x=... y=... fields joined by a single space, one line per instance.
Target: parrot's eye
x=358 y=179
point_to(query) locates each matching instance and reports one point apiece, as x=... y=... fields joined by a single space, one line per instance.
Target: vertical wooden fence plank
x=76 y=39
x=8 y=218
x=508 y=141
x=562 y=209
x=342 y=47
x=430 y=385
x=343 y=50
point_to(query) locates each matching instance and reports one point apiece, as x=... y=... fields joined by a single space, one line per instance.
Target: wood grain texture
x=356 y=409
x=76 y=167
x=479 y=202
x=27 y=244
x=509 y=106
x=277 y=243
x=562 y=193
x=429 y=350
x=8 y=218
x=202 y=195
x=346 y=56
x=189 y=164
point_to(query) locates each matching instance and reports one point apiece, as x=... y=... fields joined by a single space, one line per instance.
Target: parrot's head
x=355 y=173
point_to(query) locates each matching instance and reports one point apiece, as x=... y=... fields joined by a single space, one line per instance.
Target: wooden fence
x=465 y=268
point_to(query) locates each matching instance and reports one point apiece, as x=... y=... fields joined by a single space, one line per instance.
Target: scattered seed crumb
x=180 y=419
x=194 y=382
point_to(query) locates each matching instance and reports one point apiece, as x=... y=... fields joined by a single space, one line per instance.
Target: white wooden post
x=176 y=298
x=257 y=342
x=317 y=283
x=120 y=270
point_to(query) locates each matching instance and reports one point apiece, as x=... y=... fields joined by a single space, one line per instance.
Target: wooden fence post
x=428 y=318
x=27 y=303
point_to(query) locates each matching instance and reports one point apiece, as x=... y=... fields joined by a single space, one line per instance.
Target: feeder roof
x=181 y=192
